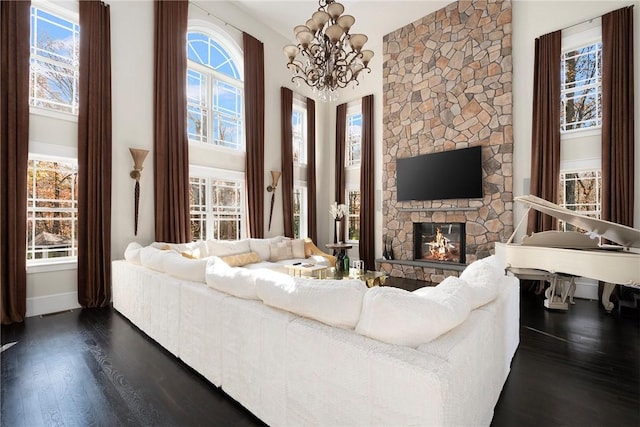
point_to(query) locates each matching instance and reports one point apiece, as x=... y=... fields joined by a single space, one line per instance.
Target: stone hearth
x=448 y=85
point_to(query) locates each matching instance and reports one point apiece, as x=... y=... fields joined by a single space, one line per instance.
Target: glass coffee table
x=370 y=278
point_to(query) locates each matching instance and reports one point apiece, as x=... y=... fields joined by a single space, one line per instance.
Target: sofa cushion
x=407 y=318
x=197 y=249
x=281 y=250
x=132 y=253
x=241 y=260
x=236 y=281
x=334 y=302
x=191 y=269
x=227 y=247
x=297 y=248
x=261 y=247
x=153 y=258
x=483 y=277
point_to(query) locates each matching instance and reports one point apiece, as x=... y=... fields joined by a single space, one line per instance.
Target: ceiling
x=373 y=18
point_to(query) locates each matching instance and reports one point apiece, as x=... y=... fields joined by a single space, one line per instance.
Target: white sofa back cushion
x=483 y=277
x=236 y=281
x=334 y=302
x=180 y=267
x=153 y=258
x=228 y=247
x=132 y=253
x=400 y=317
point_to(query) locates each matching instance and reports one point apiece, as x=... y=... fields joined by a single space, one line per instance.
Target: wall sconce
x=275 y=176
x=138 y=159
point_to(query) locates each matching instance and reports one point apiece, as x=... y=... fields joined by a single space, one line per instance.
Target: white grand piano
x=558 y=256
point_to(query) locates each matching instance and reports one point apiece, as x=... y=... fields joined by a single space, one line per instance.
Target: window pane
x=54 y=62
x=51 y=209
x=215 y=95
x=354 y=138
x=581 y=94
x=353 y=216
x=580 y=191
x=299 y=136
x=216 y=208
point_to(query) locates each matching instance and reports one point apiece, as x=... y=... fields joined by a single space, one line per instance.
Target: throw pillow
x=240 y=260
x=297 y=248
x=281 y=251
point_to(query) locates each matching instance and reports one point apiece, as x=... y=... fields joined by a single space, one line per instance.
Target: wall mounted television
x=455 y=174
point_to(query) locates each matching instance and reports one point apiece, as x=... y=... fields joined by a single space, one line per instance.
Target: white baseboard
x=52 y=303
x=586 y=288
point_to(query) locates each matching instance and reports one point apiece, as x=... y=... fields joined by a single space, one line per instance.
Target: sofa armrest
x=310 y=248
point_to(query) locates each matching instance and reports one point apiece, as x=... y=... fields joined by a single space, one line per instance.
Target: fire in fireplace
x=439 y=241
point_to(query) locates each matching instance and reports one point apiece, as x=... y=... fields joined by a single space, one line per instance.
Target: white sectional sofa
x=281 y=355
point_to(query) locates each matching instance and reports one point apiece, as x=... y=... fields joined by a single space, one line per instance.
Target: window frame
x=303 y=230
x=353 y=110
x=210 y=175
x=71 y=15
x=562 y=181
x=348 y=217
x=210 y=76
x=56 y=263
x=577 y=37
x=299 y=108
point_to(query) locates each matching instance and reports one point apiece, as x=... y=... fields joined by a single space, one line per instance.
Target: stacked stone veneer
x=448 y=85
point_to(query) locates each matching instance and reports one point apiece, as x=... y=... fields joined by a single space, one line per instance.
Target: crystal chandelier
x=327 y=56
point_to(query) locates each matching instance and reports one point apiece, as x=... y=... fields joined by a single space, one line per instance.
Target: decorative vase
x=337 y=236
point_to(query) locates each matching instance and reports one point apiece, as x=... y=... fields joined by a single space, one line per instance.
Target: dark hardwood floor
x=93 y=367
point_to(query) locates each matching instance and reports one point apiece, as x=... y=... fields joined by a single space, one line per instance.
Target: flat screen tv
x=455 y=174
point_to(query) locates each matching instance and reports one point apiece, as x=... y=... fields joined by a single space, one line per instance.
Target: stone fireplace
x=440 y=242
x=448 y=85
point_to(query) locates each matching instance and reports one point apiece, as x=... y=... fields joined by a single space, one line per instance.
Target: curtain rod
x=214 y=16
x=589 y=20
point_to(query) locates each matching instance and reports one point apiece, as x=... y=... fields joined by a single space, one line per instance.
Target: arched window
x=215 y=93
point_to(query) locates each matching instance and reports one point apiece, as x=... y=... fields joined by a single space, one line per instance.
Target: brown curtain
x=545 y=141
x=286 y=111
x=367 y=186
x=254 y=123
x=94 y=156
x=312 y=215
x=14 y=127
x=341 y=137
x=170 y=144
x=617 y=117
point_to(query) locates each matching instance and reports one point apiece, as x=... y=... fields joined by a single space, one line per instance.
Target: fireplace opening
x=443 y=242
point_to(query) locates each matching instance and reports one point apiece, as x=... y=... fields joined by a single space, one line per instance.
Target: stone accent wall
x=448 y=85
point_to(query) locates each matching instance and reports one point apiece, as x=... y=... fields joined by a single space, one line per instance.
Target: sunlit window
x=353 y=215
x=581 y=92
x=580 y=191
x=52 y=210
x=54 y=62
x=354 y=139
x=215 y=94
x=216 y=208
x=299 y=137
x=300 y=229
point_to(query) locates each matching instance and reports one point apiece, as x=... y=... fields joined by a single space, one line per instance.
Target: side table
x=339 y=250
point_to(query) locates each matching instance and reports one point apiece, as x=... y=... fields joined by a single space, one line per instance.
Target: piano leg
x=561 y=287
x=606 y=295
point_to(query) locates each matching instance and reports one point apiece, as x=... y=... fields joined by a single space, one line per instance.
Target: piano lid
x=621 y=234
